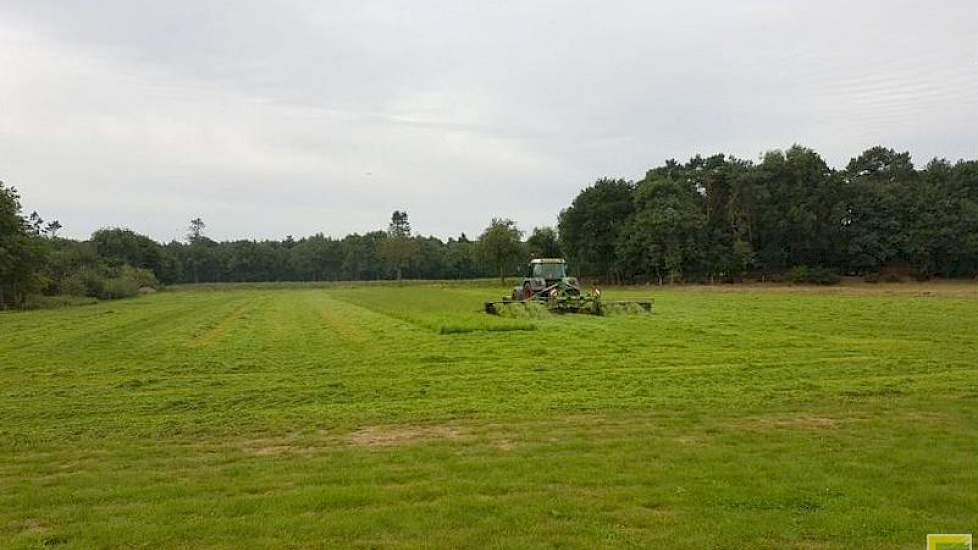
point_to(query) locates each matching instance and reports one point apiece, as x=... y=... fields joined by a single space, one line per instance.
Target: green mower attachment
x=548 y=285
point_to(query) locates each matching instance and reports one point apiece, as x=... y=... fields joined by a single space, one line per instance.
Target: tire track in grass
x=318 y=321
x=145 y=317
x=343 y=323
x=218 y=331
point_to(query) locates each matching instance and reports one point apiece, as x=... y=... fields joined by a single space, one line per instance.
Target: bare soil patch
x=370 y=436
x=800 y=422
x=381 y=436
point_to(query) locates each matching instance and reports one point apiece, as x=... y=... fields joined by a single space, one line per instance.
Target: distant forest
x=712 y=219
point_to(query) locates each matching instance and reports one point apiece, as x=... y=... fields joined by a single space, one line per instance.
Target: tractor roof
x=547 y=261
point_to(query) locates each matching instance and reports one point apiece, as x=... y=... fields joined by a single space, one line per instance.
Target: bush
x=799 y=274
x=822 y=276
x=119 y=287
x=84 y=282
x=108 y=283
x=871 y=277
x=142 y=277
x=73 y=286
x=815 y=276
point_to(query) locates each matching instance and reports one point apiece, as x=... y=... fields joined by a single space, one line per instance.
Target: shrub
x=815 y=276
x=871 y=277
x=799 y=274
x=822 y=276
x=119 y=287
x=142 y=277
x=73 y=285
x=108 y=283
x=84 y=282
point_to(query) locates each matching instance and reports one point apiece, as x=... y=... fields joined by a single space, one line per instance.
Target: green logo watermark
x=949 y=542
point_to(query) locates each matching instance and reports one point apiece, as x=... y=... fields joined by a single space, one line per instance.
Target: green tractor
x=547 y=283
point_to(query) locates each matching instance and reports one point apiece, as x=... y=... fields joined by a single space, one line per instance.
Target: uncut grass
x=727 y=419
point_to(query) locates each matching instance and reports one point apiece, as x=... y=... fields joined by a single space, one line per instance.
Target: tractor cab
x=550 y=270
x=542 y=276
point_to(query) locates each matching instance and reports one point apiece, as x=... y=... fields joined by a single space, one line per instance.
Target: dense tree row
x=375 y=255
x=710 y=219
x=118 y=262
x=722 y=218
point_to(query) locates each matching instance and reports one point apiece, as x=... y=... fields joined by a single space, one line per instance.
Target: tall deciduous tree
x=879 y=187
x=126 y=246
x=664 y=237
x=500 y=246
x=590 y=227
x=543 y=243
x=22 y=250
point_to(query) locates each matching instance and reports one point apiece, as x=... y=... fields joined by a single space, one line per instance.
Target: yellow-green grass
x=386 y=416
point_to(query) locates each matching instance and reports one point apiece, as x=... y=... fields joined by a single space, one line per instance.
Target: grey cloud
x=269 y=118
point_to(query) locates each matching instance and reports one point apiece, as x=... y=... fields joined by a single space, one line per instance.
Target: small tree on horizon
x=197 y=246
x=196 y=230
x=500 y=246
x=398 y=249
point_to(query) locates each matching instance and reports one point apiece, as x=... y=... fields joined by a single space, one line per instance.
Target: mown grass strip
x=442 y=310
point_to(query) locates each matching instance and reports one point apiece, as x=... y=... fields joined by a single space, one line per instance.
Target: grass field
x=384 y=416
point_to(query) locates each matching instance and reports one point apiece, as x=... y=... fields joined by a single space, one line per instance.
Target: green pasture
x=401 y=417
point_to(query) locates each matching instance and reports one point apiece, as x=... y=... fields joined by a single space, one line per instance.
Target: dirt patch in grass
x=278 y=449
x=691 y=440
x=271 y=446
x=799 y=422
x=33 y=527
x=383 y=436
x=504 y=445
x=370 y=436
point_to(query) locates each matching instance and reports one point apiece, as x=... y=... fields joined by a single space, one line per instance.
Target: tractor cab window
x=548 y=271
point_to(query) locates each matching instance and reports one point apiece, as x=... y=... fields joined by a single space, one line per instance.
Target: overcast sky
x=267 y=119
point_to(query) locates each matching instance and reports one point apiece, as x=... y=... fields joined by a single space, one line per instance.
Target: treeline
x=725 y=219
x=316 y=258
x=118 y=262
x=711 y=219
x=35 y=264
x=375 y=255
